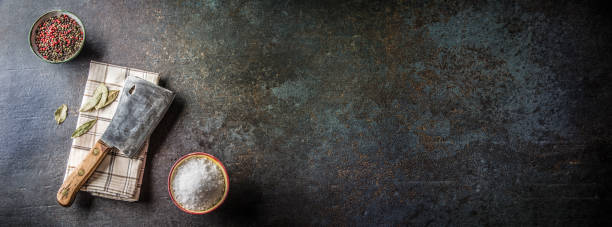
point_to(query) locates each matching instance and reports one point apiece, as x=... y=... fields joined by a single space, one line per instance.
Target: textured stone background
x=362 y=112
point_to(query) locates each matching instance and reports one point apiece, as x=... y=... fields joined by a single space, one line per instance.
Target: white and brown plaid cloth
x=118 y=176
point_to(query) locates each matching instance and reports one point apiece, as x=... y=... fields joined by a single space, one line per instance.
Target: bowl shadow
x=88 y=53
x=243 y=204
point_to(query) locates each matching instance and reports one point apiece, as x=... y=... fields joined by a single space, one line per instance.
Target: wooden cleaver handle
x=79 y=176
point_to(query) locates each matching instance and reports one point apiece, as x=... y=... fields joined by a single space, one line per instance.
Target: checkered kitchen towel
x=118 y=176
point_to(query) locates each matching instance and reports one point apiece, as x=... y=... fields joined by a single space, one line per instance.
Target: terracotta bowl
x=32 y=34
x=180 y=162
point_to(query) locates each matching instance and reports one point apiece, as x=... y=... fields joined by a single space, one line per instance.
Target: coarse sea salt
x=198 y=184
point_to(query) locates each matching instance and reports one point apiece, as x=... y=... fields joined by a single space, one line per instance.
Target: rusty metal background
x=332 y=112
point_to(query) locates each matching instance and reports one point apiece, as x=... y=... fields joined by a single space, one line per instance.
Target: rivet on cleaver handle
x=141 y=106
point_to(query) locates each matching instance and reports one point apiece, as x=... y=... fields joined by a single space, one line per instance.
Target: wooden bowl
x=32 y=34
x=180 y=162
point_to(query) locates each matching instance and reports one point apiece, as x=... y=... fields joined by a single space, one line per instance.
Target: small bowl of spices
x=198 y=183
x=57 y=36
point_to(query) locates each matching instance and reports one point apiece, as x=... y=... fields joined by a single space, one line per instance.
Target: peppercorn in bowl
x=57 y=36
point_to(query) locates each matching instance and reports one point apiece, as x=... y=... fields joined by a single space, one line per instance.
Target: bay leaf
x=104 y=96
x=112 y=95
x=85 y=127
x=60 y=113
x=93 y=101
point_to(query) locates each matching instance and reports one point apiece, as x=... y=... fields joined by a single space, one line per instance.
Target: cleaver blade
x=142 y=105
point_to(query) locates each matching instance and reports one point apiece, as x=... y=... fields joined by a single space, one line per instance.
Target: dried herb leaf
x=112 y=95
x=93 y=101
x=83 y=128
x=104 y=96
x=60 y=113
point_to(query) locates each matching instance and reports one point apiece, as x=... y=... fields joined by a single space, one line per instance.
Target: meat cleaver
x=142 y=105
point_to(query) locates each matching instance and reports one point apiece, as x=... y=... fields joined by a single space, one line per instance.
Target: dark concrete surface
x=354 y=113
